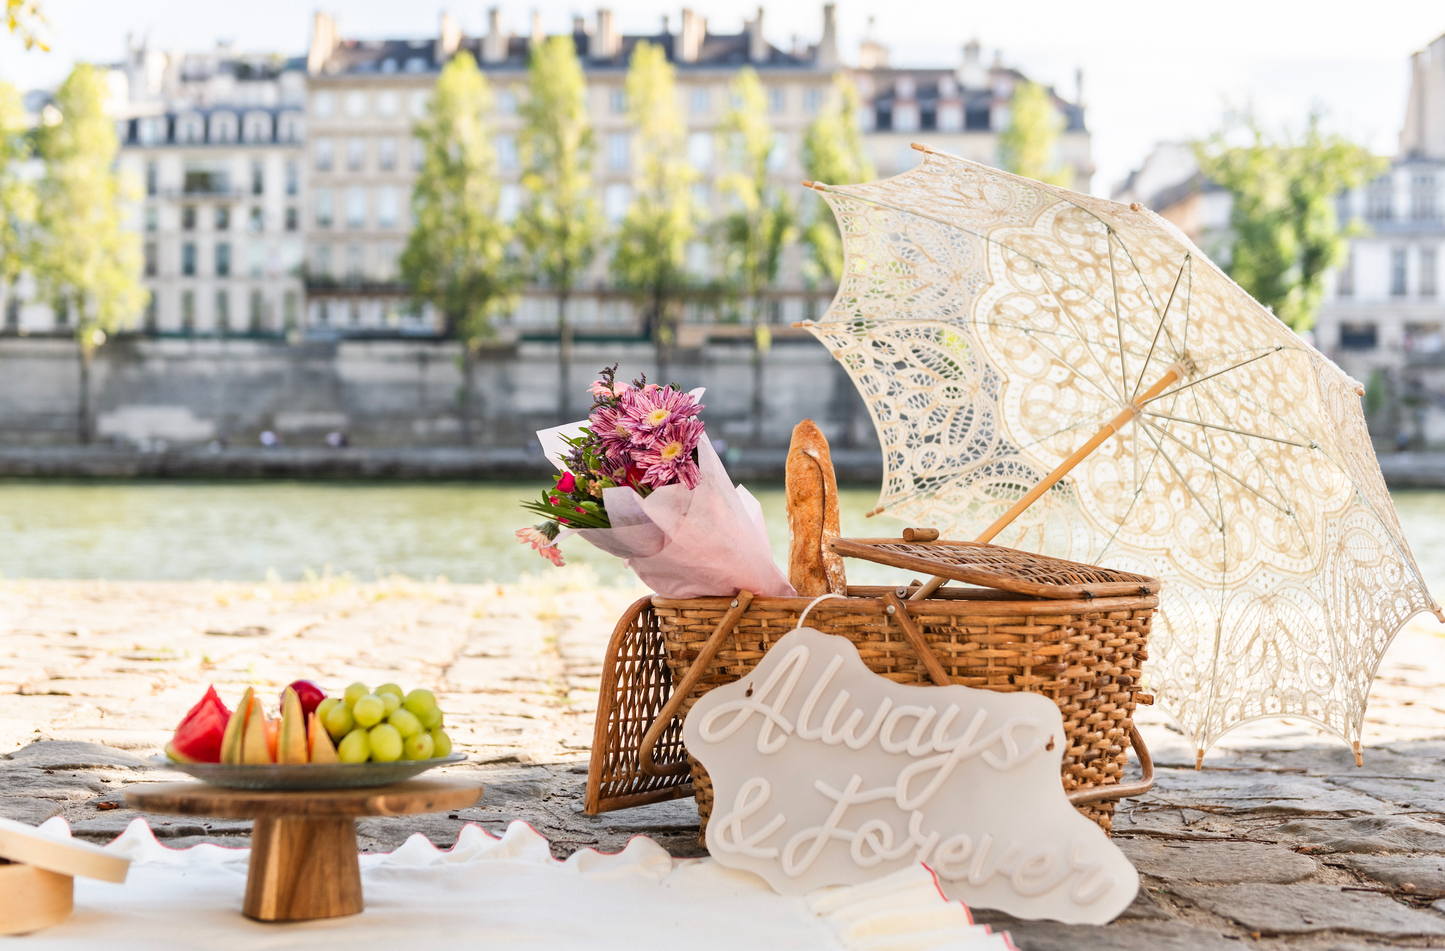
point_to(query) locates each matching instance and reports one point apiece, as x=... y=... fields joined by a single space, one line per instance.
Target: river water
x=250 y=531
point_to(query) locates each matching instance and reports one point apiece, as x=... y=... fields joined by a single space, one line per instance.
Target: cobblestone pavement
x=1279 y=842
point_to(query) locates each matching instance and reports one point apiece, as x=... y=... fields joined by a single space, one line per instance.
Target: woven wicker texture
x=992 y=324
x=995 y=566
x=636 y=682
x=1085 y=656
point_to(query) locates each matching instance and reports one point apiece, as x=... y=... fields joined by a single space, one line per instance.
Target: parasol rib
x=1049 y=481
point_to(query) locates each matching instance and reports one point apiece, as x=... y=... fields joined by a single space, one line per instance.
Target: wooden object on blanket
x=303 y=844
x=812 y=495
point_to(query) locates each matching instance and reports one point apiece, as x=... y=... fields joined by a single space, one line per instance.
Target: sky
x=1160 y=70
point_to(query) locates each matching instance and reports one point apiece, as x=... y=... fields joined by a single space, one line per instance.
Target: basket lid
x=994 y=566
x=56 y=852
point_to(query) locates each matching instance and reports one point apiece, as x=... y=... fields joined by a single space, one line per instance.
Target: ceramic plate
x=308 y=775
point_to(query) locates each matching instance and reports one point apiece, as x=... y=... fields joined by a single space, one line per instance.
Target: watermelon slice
x=198 y=738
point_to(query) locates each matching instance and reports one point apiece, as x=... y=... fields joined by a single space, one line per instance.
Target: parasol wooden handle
x=1113 y=426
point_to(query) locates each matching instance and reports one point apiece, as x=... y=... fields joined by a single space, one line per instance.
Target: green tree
x=86 y=265
x=834 y=154
x=1286 y=234
x=763 y=221
x=17 y=198
x=650 y=256
x=1027 y=146
x=25 y=20
x=456 y=255
x=559 y=224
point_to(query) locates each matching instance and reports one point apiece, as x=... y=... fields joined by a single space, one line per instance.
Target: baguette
x=812 y=495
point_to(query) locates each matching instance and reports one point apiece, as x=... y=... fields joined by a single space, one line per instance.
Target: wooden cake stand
x=303 y=844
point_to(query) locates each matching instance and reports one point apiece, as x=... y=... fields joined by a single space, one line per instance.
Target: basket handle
x=1119 y=790
x=689 y=681
x=899 y=612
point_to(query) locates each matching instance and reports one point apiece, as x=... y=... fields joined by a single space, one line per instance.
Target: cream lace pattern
x=993 y=324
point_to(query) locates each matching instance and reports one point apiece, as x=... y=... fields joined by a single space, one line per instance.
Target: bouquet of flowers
x=639 y=480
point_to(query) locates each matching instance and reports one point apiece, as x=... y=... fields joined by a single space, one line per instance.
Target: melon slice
x=255 y=750
x=236 y=728
x=321 y=749
x=291 y=744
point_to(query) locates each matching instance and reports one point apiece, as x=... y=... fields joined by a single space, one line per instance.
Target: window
x=507 y=153
x=418 y=154
x=699 y=150
x=153 y=176
x=1380 y=199
x=1361 y=336
x=150 y=313
x=354 y=271
x=353 y=310
x=701 y=199
x=415 y=64
x=507 y=102
x=288 y=309
x=777 y=101
x=253 y=321
x=258 y=178
x=324 y=148
x=697 y=255
x=386 y=207
x=1423 y=205
x=388 y=65
x=1397 y=272
x=323 y=104
x=188 y=311
x=323 y=261
x=356 y=207
x=386 y=262
x=778 y=157
x=928 y=116
x=386 y=154
x=386 y=103
x=976 y=118
x=62 y=311
x=223 y=311
x=223 y=217
x=617 y=100
x=258 y=128
x=292 y=218
x=223 y=259
x=256 y=259
x=188 y=259
x=509 y=203
x=152 y=218
x=256 y=223
x=149 y=130
x=617 y=144
x=223 y=127
x=150 y=259
x=699 y=102
x=615 y=201
x=812 y=100
x=12 y=312
x=1423 y=338
x=1345 y=278
x=324 y=211
x=355 y=154
x=883 y=117
x=416 y=104
x=293 y=178
x=1427 y=272
x=188 y=218
x=190 y=130
x=202 y=178
x=291 y=129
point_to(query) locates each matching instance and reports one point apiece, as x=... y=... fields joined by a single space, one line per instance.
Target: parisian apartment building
x=273 y=190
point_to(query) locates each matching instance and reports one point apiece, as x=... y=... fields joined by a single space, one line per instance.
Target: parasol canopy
x=993 y=325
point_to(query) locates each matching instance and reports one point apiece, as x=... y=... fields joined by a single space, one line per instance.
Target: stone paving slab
x=94 y=676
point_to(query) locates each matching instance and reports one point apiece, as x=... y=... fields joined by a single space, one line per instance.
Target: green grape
x=419 y=701
x=355 y=692
x=390 y=688
x=419 y=746
x=369 y=710
x=386 y=744
x=339 y=721
x=431 y=719
x=392 y=701
x=355 y=747
x=441 y=743
x=324 y=707
x=405 y=722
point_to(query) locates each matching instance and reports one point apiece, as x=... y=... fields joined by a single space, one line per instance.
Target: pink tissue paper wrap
x=709 y=541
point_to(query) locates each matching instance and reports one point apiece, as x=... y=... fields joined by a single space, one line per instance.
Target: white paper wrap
x=709 y=541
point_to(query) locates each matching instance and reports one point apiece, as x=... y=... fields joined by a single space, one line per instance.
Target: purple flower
x=668 y=459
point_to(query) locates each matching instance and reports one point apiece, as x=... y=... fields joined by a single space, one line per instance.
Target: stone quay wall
x=166 y=394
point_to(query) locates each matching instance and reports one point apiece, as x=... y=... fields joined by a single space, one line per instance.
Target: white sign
x=825 y=773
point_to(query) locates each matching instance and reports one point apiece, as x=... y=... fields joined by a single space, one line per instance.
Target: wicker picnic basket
x=1073 y=632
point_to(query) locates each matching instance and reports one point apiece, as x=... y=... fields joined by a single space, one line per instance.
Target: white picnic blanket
x=508 y=892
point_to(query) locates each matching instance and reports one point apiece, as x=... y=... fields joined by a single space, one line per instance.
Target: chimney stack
x=607 y=43
x=324 y=40
x=757 y=45
x=971 y=74
x=694 y=29
x=449 y=39
x=825 y=55
x=537 y=35
x=494 y=44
